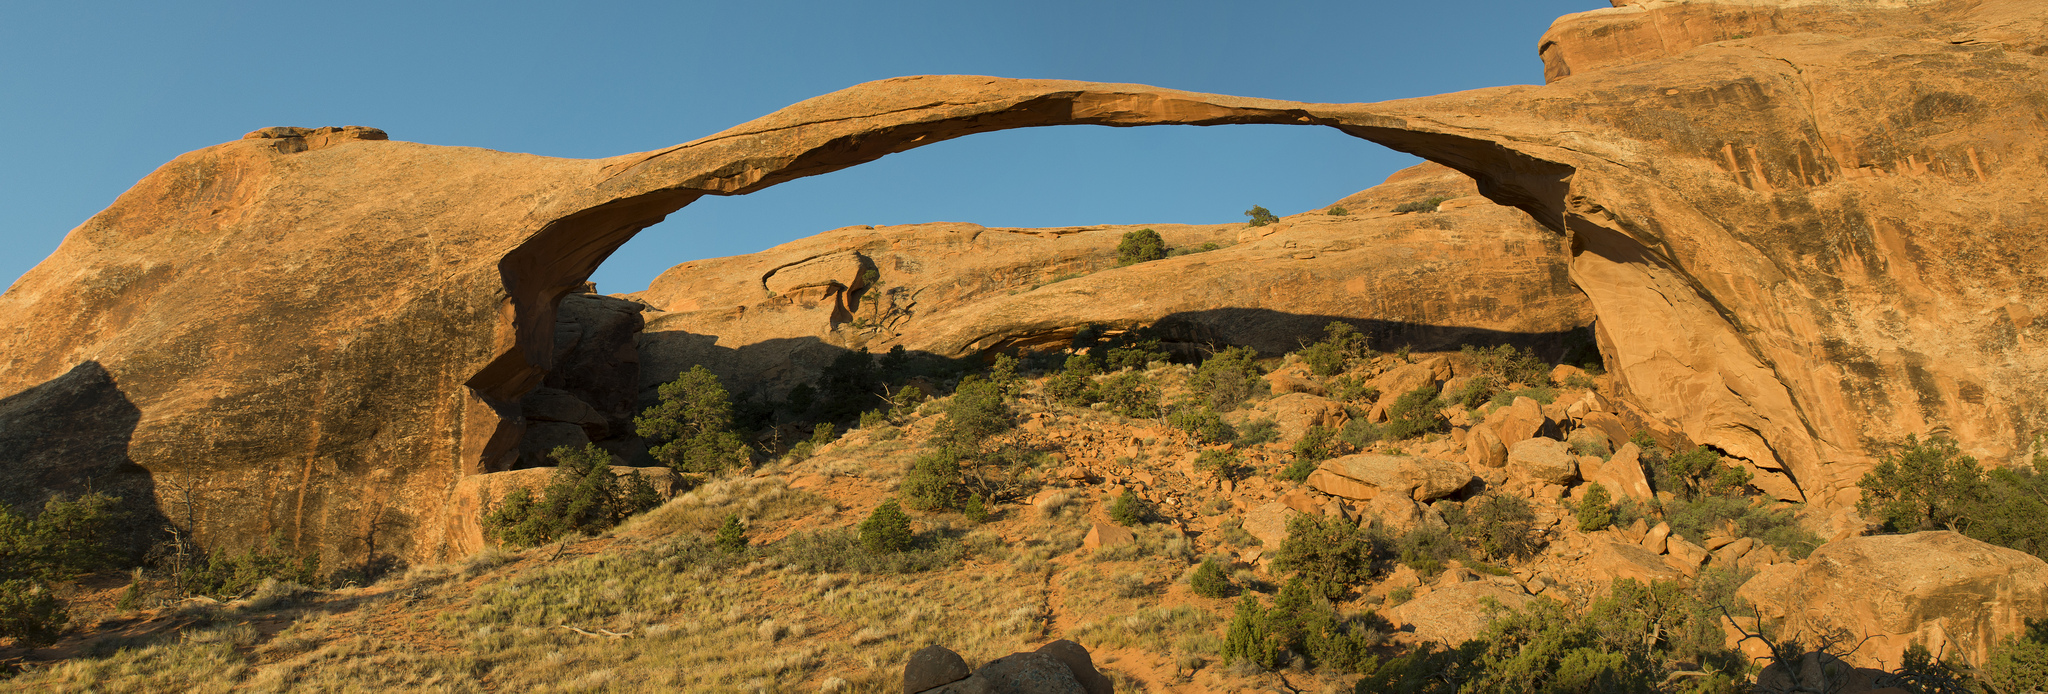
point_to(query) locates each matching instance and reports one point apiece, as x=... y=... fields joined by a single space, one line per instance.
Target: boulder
x=1589 y=441
x=1293 y=381
x=1543 y=460
x=1608 y=561
x=1454 y=611
x=1484 y=449
x=1622 y=474
x=1684 y=555
x=1268 y=522
x=1077 y=660
x=931 y=667
x=1656 y=538
x=1942 y=589
x=1400 y=380
x=1518 y=421
x=1733 y=552
x=1102 y=535
x=1296 y=412
x=1018 y=673
x=1366 y=475
x=1401 y=514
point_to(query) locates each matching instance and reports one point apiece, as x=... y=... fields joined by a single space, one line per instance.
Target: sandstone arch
x=1799 y=245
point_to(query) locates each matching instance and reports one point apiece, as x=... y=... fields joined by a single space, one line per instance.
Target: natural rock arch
x=324 y=330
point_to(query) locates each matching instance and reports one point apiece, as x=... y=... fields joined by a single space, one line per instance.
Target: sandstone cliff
x=1800 y=242
x=1475 y=272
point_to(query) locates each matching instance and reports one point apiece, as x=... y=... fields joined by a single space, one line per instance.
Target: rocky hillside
x=1452 y=268
x=1130 y=536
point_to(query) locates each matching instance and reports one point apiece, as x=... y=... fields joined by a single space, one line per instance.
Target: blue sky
x=93 y=96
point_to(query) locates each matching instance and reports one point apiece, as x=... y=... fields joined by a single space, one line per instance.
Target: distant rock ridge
x=1474 y=272
x=1799 y=245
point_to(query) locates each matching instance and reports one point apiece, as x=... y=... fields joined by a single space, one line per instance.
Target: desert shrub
x=1507 y=364
x=1128 y=509
x=1921 y=485
x=31 y=613
x=1139 y=246
x=1224 y=465
x=225 y=575
x=1129 y=395
x=691 y=426
x=2011 y=510
x=1697 y=518
x=851 y=384
x=1360 y=433
x=1496 y=526
x=1475 y=391
x=933 y=482
x=1260 y=216
x=1424 y=205
x=1234 y=534
x=1209 y=580
x=583 y=495
x=1227 y=378
x=1596 y=510
x=2019 y=663
x=1415 y=413
x=1332 y=355
x=845 y=550
x=1336 y=211
x=1700 y=472
x=1191 y=250
x=873 y=419
x=68 y=538
x=732 y=537
x=1074 y=385
x=974 y=509
x=1202 y=423
x=1258 y=431
x=1300 y=621
x=1315 y=446
x=1638 y=638
x=1353 y=389
x=1330 y=552
x=904 y=402
x=1425 y=549
x=976 y=412
x=821 y=434
x=887 y=528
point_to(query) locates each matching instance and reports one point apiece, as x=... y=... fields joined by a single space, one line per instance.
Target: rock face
x=1802 y=241
x=1939 y=588
x=777 y=317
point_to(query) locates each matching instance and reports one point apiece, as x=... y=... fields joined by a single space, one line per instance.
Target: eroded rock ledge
x=1799 y=244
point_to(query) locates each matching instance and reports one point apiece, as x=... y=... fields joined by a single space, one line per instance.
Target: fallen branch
x=599 y=634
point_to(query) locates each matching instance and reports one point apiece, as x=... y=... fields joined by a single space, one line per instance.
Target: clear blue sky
x=93 y=96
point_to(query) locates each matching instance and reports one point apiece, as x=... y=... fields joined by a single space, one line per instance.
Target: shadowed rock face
x=1798 y=244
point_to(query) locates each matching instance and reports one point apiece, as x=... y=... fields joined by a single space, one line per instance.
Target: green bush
x=2019 y=663
x=1302 y=622
x=1337 y=211
x=1475 y=391
x=1129 y=509
x=1415 y=413
x=583 y=495
x=1210 y=581
x=851 y=384
x=691 y=425
x=1426 y=548
x=732 y=537
x=1203 y=423
x=976 y=412
x=1330 y=552
x=1074 y=385
x=975 y=509
x=1497 y=526
x=1700 y=472
x=1696 y=519
x=1506 y=364
x=1334 y=354
x=1360 y=433
x=933 y=483
x=31 y=613
x=225 y=575
x=843 y=550
x=70 y=537
x=1353 y=389
x=1921 y=485
x=887 y=529
x=1596 y=510
x=1258 y=431
x=1140 y=246
x=1260 y=216
x=1227 y=378
x=1424 y=205
x=1224 y=465
x=1191 y=250
x=1129 y=395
